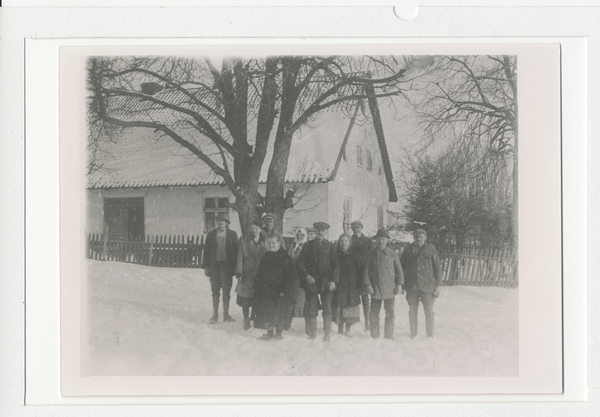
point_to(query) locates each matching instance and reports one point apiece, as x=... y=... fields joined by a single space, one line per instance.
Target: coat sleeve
x=207 y=252
x=239 y=264
x=366 y=279
x=290 y=281
x=398 y=274
x=437 y=267
x=302 y=262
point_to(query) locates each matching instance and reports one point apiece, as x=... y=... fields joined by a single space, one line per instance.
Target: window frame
x=216 y=210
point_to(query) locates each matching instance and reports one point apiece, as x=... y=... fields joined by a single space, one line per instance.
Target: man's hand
x=399 y=289
x=436 y=292
x=310 y=279
x=331 y=286
x=369 y=290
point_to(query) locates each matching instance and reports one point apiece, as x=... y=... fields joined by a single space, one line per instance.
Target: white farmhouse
x=339 y=165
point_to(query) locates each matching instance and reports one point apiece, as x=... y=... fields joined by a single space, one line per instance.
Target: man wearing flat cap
x=319 y=276
x=423 y=274
x=361 y=246
x=219 y=261
x=383 y=279
x=269 y=228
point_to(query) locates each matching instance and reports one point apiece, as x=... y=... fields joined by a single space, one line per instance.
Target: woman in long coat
x=275 y=289
x=347 y=295
x=251 y=249
x=294 y=252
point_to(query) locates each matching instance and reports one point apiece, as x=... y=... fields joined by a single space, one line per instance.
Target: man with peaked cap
x=319 y=275
x=361 y=246
x=383 y=280
x=219 y=262
x=269 y=228
x=423 y=273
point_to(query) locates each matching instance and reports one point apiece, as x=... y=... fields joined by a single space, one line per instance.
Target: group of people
x=276 y=284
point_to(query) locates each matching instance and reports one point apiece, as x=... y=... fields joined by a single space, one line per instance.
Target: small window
x=347 y=213
x=369 y=160
x=359 y=158
x=213 y=206
x=124 y=218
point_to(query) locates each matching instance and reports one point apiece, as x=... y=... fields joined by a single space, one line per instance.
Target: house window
x=347 y=209
x=359 y=159
x=124 y=218
x=380 y=216
x=213 y=206
x=369 y=160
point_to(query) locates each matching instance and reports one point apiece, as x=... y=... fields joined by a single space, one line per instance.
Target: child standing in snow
x=275 y=286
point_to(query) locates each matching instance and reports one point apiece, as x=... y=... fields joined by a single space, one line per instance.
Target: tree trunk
x=246 y=208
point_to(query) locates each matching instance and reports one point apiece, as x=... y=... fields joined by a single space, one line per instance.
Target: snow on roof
x=140 y=157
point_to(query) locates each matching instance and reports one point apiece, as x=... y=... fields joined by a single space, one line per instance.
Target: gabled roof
x=139 y=157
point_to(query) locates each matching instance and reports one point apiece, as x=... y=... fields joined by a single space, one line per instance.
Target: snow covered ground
x=154 y=321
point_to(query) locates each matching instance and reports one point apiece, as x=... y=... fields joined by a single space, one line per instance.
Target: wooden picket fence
x=479 y=266
x=175 y=251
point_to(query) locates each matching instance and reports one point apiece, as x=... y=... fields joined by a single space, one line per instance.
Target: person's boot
x=307 y=326
x=215 y=316
x=341 y=327
x=429 y=326
x=226 y=317
x=278 y=333
x=348 y=329
x=413 y=325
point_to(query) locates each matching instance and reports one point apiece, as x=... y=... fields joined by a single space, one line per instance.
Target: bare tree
x=229 y=117
x=472 y=101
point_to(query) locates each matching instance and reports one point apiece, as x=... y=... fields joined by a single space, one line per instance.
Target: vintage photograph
x=286 y=215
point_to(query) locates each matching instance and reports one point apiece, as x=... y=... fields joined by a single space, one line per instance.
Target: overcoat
x=210 y=250
x=276 y=275
x=422 y=268
x=349 y=285
x=383 y=272
x=318 y=260
x=361 y=247
x=298 y=310
x=248 y=258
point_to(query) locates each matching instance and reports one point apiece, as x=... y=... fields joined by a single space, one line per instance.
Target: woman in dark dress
x=347 y=295
x=275 y=287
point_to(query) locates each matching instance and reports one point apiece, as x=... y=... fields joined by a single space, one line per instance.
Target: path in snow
x=154 y=321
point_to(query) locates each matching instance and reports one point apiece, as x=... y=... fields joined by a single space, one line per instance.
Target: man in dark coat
x=423 y=274
x=361 y=247
x=319 y=275
x=219 y=261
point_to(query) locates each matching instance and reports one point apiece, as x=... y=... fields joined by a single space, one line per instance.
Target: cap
x=223 y=216
x=321 y=225
x=356 y=223
x=269 y=216
x=420 y=232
